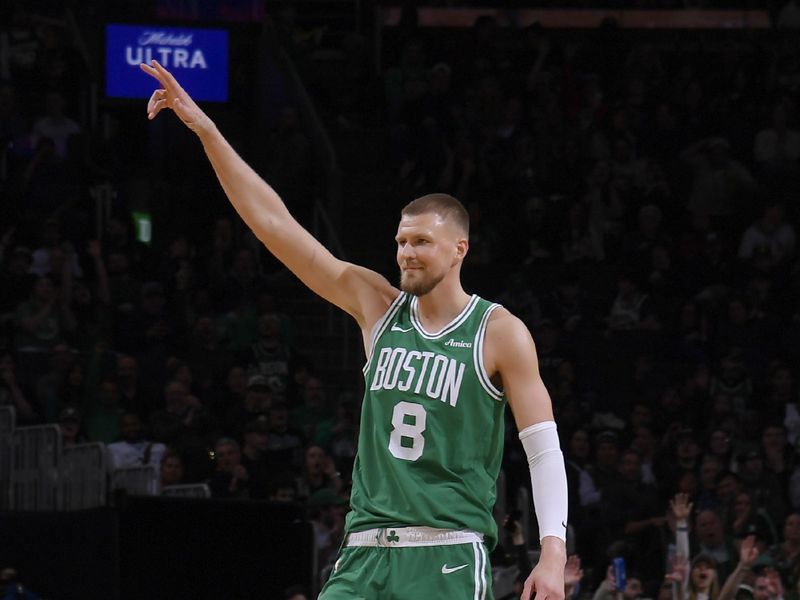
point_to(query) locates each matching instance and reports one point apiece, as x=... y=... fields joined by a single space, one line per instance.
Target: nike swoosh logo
x=447 y=570
x=396 y=327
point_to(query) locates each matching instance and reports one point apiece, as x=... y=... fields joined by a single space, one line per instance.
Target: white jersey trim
x=380 y=327
x=477 y=355
x=451 y=326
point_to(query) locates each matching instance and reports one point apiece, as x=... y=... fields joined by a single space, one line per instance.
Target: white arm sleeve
x=548 y=478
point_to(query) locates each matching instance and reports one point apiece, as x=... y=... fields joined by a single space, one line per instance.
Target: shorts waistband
x=405 y=537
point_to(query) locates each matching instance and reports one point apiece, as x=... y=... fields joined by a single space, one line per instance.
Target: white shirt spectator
x=135 y=454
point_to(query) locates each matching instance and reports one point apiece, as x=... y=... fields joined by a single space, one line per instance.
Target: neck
x=443 y=303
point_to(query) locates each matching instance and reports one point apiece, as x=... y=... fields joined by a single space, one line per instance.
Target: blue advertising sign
x=197 y=57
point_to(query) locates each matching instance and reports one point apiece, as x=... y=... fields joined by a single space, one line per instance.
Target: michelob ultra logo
x=197 y=57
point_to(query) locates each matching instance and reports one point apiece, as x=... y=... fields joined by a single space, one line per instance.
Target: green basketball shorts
x=411 y=563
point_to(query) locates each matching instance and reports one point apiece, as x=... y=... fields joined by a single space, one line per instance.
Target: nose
x=407 y=251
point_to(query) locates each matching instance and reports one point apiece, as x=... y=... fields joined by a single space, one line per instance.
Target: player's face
x=427 y=248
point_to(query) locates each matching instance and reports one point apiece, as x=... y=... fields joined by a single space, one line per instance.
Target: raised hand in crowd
x=681 y=507
x=572 y=573
x=748 y=553
x=678 y=575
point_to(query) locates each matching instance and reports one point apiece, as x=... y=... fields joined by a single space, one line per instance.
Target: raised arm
x=510 y=359
x=748 y=553
x=360 y=292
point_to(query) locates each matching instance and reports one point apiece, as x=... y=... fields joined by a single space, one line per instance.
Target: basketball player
x=440 y=366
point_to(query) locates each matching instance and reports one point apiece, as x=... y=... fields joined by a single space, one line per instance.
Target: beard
x=418 y=287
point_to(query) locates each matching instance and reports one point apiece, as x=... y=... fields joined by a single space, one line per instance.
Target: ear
x=462 y=247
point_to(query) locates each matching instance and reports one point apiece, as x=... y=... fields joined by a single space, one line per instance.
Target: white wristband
x=548 y=478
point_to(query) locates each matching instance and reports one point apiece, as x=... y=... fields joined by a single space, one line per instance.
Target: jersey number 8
x=408 y=431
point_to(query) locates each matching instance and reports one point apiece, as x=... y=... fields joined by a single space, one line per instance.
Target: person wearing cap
x=71 y=426
x=256 y=401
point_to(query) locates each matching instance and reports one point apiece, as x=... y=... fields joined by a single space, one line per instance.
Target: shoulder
x=504 y=327
x=508 y=342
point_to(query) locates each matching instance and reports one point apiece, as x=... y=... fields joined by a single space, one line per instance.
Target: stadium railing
x=7 y=421
x=36 y=452
x=137 y=481
x=83 y=476
x=190 y=490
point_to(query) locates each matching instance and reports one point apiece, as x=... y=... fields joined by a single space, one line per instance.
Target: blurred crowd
x=639 y=194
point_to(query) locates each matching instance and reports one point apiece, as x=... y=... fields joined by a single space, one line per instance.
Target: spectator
x=134 y=449
x=254 y=457
x=314 y=417
x=632 y=510
x=269 y=356
x=181 y=412
x=748 y=519
x=12 y=394
x=784 y=557
x=171 y=469
x=257 y=401
x=319 y=473
x=296 y=592
x=18 y=281
x=710 y=541
x=134 y=394
x=772 y=235
x=285 y=443
x=609 y=590
x=103 y=412
x=283 y=488
x=326 y=511
x=71 y=426
x=722 y=186
x=44 y=319
x=604 y=472
x=777 y=146
x=62 y=359
x=231 y=479
x=206 y=356
x=632 y=309
x=55 y=125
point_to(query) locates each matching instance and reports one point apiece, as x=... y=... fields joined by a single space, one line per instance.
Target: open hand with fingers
x=546 y=581
x=172 y=95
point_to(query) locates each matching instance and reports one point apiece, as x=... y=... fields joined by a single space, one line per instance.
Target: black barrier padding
x=215 y=549
x=63 y=556
x=154 y=548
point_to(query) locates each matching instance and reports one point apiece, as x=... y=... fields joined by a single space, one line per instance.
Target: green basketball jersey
x=431 y=439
